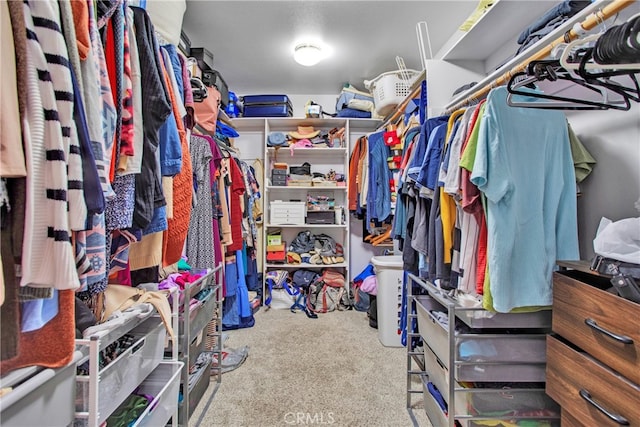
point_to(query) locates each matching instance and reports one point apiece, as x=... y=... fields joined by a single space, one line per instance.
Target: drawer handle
x=621 y=338
x=615 y=417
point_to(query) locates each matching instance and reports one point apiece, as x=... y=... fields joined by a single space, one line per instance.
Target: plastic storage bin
x=389 y=275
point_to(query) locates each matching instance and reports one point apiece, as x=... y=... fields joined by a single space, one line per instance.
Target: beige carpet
x=327 y=371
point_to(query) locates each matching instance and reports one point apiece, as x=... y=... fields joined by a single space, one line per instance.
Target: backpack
x=327 y=293
x=303 y=278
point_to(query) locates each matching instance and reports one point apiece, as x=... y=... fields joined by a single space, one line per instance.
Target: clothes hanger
x=549 y=72
x=605 y=79
x=613 y=45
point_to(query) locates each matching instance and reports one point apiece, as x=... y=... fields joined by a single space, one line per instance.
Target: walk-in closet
x=351 y=213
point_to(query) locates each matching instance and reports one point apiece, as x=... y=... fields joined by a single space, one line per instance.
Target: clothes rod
x=589 y=22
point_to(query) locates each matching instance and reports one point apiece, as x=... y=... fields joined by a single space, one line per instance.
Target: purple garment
x=170 y=283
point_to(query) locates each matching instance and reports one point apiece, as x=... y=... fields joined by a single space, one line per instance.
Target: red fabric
x=185 y=278
x=110 y=58
x=470 y=202
x=237 y=190
x=481 y=268
x=124 y=276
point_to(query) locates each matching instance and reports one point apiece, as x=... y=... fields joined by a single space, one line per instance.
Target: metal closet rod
x=589 y=22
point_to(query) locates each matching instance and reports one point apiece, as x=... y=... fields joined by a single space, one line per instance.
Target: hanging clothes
x=200 y=249
x=379 y=195
x=236 y=309
x=148 y=194
x=236 y=192
x=47 y=258
x=526 y=172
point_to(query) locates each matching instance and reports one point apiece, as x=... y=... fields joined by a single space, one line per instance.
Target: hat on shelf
x=276 y=139
x=304 y=132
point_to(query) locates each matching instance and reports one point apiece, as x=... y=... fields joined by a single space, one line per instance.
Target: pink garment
x=124 y=276
x=370 y=285
x=301 y=143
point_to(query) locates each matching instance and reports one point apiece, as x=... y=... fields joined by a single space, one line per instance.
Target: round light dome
x=307 y=54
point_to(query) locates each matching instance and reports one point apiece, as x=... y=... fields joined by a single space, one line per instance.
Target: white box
x=282 y=213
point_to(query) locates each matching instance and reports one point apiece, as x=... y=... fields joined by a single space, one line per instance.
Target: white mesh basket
x=390 y=89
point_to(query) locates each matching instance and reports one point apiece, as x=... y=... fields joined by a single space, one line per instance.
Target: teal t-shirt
x=523 y=164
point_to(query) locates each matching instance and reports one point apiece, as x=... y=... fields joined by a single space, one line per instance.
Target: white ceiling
x=252 y=41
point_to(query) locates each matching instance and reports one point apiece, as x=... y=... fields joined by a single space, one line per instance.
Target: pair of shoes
x=315 y=259
x=293 y=258
x=332 y=260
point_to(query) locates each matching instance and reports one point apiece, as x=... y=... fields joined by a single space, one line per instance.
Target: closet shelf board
x=287 y=124
x=524 y=56
x=307 y=265
x=307 y=151
x=303 y=187
x=306 y=225
x=509 y=16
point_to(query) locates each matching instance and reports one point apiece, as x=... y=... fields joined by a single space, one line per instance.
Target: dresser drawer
x=573 y=378
x=567 y=420
x=603 y=325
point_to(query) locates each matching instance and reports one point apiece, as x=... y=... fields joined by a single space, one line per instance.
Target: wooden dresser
x=593 y=355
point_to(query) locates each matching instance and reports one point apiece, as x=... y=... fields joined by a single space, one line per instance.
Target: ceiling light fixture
x=307 y=54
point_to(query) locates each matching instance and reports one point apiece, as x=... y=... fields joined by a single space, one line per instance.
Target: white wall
x=328 y=103
x=613 y=139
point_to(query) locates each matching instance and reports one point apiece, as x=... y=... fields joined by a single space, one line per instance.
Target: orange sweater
x=178 y=225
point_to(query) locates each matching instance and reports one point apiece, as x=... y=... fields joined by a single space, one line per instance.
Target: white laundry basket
x=390 y=89
x=389 y=276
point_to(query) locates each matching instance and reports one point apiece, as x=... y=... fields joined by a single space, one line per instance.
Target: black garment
x=145 y=275
x=10 y=309
x=156 y=109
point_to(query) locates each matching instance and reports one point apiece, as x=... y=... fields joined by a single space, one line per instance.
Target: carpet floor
x=327 y=371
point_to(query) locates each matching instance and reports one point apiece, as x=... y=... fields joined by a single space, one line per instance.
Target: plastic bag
x=619 y=240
